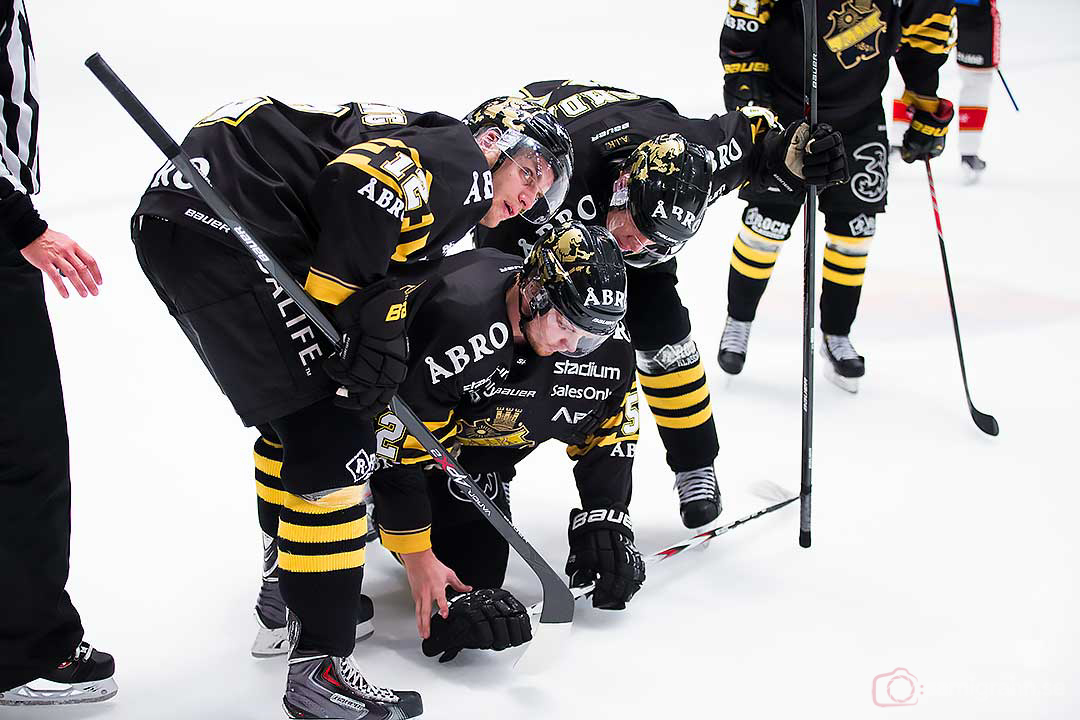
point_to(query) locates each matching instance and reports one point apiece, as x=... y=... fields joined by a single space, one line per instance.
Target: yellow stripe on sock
x=324 y=533
x=266 y=465
x=678 y=403
x=855 y=262
x=321 y=563
x=842 y=278
x=753 y=253
x=274 y=496
x=675 y=379
x=681 y=423
x=749 y=271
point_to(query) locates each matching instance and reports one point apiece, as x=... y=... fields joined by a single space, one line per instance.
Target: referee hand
x=59 y=257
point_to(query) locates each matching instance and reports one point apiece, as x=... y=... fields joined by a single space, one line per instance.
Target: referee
x=43 y=659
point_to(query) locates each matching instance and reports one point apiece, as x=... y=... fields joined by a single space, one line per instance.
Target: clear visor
x=547 y=176
x=638 y=249
x=583 y=342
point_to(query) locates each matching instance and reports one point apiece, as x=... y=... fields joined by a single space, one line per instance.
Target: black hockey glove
x=746 y=83
x=602 y=551
x=483 y=620
x=925 y=137
x=796 y=158
x=371 y=362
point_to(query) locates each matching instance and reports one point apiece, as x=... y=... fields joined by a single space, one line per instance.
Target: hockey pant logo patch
x=870 y=184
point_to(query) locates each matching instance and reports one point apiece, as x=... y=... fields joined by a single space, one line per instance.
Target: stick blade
x=547 y=645
x=987 y=423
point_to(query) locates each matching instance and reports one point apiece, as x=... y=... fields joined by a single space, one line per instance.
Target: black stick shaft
x=1007 y=90
x=987 y=423
x=559 y=602
x=810 y=80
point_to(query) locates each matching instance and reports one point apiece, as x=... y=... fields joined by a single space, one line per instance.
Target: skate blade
x=546 y=647
x=271 y=642
x=43 y=692
x=847 y=384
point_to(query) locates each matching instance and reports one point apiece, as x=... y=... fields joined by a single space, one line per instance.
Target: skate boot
x=733 y=345
x=86 y=676
x=699 y=496
x=843 y=365
x=272 y=639
x=973 y=167
x=325 y=686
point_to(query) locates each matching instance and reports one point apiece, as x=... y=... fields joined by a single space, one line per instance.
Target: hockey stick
x=986 y=423
x=688 y=544
x=560 y=609
x=1017 y=107
x=810 y=89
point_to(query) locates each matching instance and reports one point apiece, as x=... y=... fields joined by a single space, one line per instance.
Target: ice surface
x=936 y=548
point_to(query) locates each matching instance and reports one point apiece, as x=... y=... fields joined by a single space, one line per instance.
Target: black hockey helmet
x=577 y=270
x=667 y=194
x=529 y=129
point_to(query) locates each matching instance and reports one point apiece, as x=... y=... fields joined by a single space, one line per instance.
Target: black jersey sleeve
x=742 y=40
x=926 y=37
x=737 y=139
x=371 y=204
x=604 y=459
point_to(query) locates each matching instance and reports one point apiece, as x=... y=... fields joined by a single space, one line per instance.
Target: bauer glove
x=925 y=137
x=483 y=620
x=797 y=158
x=746 y=83
x=370 y=364
x=602 y=552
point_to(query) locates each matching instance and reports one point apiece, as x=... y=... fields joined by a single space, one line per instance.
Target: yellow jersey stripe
x=406 y=542
x=675 y=379
x=323 y=533
x=321 y=563
x=363 y=163
x=576 y=451
x=402 y=251
x=929 y=46
x=328 y=291
x=406 y=224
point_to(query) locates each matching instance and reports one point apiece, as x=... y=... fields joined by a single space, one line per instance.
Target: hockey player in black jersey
x=649 y=174
x=496 y=367
x=763 y=63
x=343 y=195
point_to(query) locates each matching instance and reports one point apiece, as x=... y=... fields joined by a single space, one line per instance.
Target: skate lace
x=83 y=652
x=356 y=680
x=697 y=484
x=841 y=348
x=736 y=336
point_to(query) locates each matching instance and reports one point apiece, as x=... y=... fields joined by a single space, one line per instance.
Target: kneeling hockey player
x=573 y=277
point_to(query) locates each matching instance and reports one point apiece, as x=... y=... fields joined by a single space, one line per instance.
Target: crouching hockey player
x=649 y=173
x=496 y=367
x=342 y=195
x=856 y=40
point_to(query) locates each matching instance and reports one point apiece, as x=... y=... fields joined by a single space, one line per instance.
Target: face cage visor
x=539 y=302
x=539 y=170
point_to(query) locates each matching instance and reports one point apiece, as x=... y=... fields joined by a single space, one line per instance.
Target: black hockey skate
x=325 y=686
x=844 y=366
x=272 y=638
x=733 y=344
x=85 y=676
x=699 y=496
x=973 y=167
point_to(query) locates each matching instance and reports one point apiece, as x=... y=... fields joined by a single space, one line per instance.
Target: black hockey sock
x=321 y=561
x=268 y=488
x=843 y=269
x=679 y=399
x=753 y=256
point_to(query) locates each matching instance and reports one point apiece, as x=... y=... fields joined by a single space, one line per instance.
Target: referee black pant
x=39 y=627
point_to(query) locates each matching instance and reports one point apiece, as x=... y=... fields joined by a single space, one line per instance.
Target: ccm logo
x=600 y=515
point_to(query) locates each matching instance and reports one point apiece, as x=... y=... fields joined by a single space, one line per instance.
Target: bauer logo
x=617 y=517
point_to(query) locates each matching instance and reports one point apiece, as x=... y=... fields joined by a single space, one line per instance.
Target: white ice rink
x=936 y=548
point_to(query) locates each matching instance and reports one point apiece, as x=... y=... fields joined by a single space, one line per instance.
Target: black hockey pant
x=39 y=627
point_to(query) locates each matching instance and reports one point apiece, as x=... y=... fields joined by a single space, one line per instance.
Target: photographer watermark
x=898 y=688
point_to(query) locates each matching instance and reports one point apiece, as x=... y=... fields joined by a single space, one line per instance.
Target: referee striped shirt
x=18 y=99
